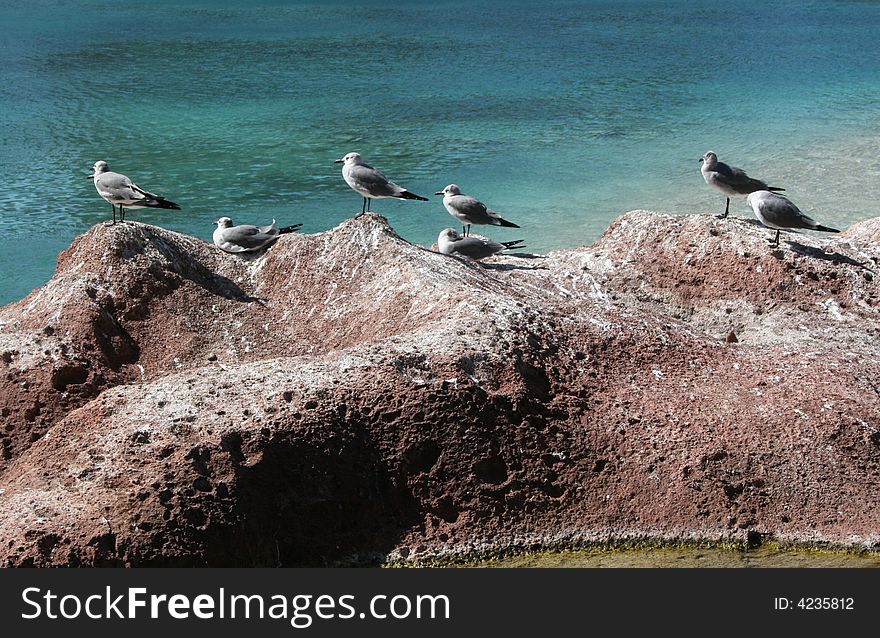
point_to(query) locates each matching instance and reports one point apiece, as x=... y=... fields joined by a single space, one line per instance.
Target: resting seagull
x=370 y=182
x=120 y=191
x=468 y=210
x=450 y=242
x=730 y=180
x=776 y=211
x=246 y=238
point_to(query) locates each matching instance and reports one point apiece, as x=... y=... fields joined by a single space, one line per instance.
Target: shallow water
x=560 y=115
x=763 y=556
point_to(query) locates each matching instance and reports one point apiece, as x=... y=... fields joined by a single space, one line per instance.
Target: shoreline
x=640 y=553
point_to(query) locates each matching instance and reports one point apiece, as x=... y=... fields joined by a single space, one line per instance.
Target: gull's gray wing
x=737 y=179
x=373 y=181
x=117 y=187
x=780 y=211
x=476 y=248
x=472 y=210
x=247 y=237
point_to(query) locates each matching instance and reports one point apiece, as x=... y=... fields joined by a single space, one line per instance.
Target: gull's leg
x=363 y=209
x=121 y=213
x=726 y=210
x=369 y=205
x=113 y=206
x=775 y=242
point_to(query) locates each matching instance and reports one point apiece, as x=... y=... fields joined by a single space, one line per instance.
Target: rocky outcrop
x=348 y=396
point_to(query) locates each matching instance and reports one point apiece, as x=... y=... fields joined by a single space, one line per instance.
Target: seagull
x=469 y=211
x=776 y=211
x=370 y=182
x=247 y=238
x=730 y=180
x=120 y=191
x=450 y=242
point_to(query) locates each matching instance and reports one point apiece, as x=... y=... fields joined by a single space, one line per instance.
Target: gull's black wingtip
x=408 y=195
x=165 y=203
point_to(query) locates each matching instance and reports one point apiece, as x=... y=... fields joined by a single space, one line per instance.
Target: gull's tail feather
x=505 y=223
x=289 y=229
x=517 y=243
x=408 y=195
x=775 y=189
x=825 y=229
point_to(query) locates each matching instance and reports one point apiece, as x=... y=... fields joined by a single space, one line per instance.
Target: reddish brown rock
x=349 y=396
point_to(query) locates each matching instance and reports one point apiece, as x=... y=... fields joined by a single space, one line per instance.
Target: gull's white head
x=352 y=159
x=752 y=199
x=224 y=222
x=452 y=189
x=99 y=167
x=448 y=234
x=710 y=159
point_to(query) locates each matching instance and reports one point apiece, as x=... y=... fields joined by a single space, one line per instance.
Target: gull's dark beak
x=702 y=159
x=439 y=193
x=92 y=176
x=339 y=161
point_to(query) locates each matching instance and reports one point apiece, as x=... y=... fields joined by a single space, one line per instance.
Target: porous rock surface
x=349 y=397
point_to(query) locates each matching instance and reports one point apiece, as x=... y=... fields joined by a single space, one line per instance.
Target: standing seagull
x=730 y=180
x=449 y=242
x=246 y=238
x=468 y=210
x=776 y=211
x=120 y=191
x=370 y=182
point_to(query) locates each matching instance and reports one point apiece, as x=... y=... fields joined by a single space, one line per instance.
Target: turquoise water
x=560 y=115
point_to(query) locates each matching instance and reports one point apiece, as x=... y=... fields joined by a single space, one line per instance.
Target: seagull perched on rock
x=730 y=180
x=246 y=238
x=370 y=182
x=450 y=242
x=468 y=210
x=776 y=211
x=120 y=191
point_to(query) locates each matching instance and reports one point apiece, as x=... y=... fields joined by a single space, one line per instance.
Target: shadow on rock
x=193 y=269
x=314 y=501
x=818 y=253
